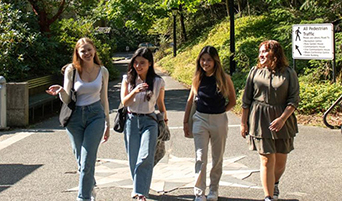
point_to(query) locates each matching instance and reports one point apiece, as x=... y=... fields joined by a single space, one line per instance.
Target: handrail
x=329 y=110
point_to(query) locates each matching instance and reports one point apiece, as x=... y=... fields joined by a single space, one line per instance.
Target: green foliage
x=317 y=98
x=24 y=51
x=249 y=32
x=69 y=31
x=190 y=5
x=239 y=80
x=130 y=21
x=329 y=10
x=135 y=14
x=163 y=48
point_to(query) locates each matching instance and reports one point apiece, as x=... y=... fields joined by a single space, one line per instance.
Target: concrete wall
x=17 y=104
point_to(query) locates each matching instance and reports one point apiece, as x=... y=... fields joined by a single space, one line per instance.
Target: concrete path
x=37 y=164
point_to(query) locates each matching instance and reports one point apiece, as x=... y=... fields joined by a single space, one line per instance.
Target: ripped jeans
x=140 y=139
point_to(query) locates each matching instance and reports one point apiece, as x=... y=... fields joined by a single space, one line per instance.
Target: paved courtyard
x=170 y=173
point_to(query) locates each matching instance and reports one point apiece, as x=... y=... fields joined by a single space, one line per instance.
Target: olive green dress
x=267 y=94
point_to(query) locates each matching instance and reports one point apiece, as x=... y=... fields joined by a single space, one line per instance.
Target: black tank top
x=209 y=100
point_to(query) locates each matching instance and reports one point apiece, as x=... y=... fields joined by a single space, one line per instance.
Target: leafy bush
x=24 y=52
x=318 y=98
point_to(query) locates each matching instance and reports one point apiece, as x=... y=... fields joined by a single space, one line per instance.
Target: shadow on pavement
x=191 y=197
x=12 y=173
x=176 y=99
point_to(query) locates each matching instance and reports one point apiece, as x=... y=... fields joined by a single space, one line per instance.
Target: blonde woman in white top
x=90 y=121
x=141 y=90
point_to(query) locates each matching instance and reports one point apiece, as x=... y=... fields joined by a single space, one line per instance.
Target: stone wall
x=17 y=104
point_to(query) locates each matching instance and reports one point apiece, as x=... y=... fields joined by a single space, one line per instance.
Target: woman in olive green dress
x=271 y=95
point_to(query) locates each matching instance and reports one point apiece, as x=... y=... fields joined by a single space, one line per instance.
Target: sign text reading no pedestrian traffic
x=312 y=41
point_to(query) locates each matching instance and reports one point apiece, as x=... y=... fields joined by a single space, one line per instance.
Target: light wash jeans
x=213 y=128
x=140 y=139
x=85 y=130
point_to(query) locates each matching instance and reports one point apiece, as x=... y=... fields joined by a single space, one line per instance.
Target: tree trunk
x=43 y=20
x=248 y=9
x=239 y=8
x=182 y=23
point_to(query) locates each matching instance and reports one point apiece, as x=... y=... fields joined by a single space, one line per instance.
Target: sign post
x=313 y=41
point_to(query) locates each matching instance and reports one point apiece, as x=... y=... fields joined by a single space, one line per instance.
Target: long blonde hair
x=76 y=60
x=220 y=75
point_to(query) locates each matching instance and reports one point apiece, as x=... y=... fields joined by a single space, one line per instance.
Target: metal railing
x=329 y=110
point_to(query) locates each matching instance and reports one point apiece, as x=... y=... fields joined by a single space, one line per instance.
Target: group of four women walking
x=270 y=97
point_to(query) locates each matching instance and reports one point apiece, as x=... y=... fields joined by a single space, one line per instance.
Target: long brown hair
x=76 y=60
x=278 y=58
x=220 y=75
x=151 y=74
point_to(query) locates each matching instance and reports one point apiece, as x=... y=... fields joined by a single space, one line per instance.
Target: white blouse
x=140 y=105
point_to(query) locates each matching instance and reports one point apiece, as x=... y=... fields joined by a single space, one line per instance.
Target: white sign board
x=312 y=41
x=103 y=29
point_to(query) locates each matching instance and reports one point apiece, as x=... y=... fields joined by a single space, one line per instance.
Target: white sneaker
x=200 y=198
x=93 y=195
x=212 y=196
x=268 y=199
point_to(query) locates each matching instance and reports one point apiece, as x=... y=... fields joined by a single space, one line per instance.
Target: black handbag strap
x=73 y=83
x=73 y=79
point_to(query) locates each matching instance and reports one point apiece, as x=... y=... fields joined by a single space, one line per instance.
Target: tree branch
x=59 y=12
x=35 y=7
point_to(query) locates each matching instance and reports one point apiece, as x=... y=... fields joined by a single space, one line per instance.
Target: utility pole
x=232 y=37
x=174 y=13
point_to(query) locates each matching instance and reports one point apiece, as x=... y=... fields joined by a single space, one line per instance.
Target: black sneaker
x=276 y=192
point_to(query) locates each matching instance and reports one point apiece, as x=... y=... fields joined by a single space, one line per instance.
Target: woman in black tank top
x=215 y=95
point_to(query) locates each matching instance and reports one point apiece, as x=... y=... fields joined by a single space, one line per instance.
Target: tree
x=48 y=11
x=45 y=16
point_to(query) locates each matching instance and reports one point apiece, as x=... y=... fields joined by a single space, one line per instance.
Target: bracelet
x=166 y=120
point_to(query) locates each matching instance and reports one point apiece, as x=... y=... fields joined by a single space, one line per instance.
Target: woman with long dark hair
x=141 y=90
x=215 y=95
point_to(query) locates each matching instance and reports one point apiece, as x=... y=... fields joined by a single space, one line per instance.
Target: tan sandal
x=141 y=198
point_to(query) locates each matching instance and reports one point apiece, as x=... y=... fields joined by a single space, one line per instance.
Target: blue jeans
x=140 y=139
x=85 y=129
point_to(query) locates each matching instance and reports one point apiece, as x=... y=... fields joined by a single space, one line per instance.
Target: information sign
x=105 y=30
x=312 y=41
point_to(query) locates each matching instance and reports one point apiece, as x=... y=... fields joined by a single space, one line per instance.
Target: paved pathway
x=170 y=173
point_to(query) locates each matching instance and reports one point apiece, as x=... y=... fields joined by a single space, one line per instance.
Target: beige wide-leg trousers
x=213 y=128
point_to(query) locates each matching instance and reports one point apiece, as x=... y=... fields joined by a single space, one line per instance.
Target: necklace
x=90 y=71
